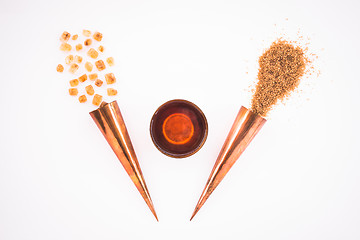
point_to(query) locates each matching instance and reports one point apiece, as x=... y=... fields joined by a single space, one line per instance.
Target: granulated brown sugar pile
x=280 y=70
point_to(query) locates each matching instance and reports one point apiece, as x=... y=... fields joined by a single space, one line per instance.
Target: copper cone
x=109 y=120
x=247 y=124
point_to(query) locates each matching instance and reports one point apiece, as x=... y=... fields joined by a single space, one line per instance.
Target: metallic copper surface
x=109 y=120
x=247 y=124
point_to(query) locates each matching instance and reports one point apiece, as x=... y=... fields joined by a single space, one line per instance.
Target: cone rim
x=102 y=105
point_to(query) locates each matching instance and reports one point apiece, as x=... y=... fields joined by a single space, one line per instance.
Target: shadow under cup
x=178 y=128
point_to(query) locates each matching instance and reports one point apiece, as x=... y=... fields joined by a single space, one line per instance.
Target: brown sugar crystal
x=83 y=78
x=92 y=53
x=74 y=37
x=73 y=68
x=88 y=66
x=89 y=90
x=69 y=59
x=93 y=76
x=101 y=48
x=65 y=47
x=78 y=47
x=87 y=42
x=111 y=92
x=280 y=70
x=82 y=99
x=73 y=91
x=110 y=61
x=97 y=100
x=65 y=36
x=100 y=65
x=97 y=36
x=98 y=83
x=74 y=82
x=110 y=78
x=78 y=59
x=86 y=33
x=60 y=68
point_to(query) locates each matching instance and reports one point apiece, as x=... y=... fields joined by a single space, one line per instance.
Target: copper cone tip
x=109 y=120
x=245 y=127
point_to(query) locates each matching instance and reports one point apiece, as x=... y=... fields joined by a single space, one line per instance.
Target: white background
x=299 y=178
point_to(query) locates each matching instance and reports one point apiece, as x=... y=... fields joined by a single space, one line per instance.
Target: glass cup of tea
x=178 y=128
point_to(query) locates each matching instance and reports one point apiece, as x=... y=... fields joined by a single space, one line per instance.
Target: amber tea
x=178 y=128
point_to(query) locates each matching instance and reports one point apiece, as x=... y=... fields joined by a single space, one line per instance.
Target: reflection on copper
x=247 y=124
x=109 y=120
